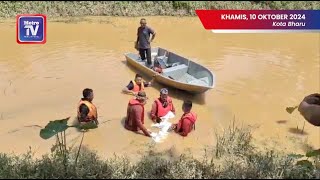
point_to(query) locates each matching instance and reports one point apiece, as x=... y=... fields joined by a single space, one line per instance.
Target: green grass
x=233 y=157
x=139 y=8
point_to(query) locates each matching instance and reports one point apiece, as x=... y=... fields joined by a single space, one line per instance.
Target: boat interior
x=177 y=68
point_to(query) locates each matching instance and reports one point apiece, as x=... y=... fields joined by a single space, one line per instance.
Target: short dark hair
x=87 y=92
x=187 y=104
x=142 y=19
x=138 y=75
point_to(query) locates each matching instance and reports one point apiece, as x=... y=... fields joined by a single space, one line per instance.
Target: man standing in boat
x=136 y=85
x=143 y=41
x=162 y=106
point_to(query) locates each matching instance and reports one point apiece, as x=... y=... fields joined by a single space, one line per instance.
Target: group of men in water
x=161 y=107
x=87 y=111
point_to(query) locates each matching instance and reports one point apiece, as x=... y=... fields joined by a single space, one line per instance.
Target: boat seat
x=163 y=61
x=176 y=71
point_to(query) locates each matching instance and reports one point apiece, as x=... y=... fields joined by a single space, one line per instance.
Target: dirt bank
x=139 y=8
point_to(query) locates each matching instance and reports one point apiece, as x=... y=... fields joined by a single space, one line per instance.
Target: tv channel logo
x=31 y=29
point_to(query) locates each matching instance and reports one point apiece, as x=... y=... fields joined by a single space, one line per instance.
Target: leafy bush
x=139 y=8
x=237 y=158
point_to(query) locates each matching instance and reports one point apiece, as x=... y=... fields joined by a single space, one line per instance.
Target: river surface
x=257 y=77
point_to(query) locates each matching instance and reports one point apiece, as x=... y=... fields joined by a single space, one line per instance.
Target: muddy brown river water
x=258 y=76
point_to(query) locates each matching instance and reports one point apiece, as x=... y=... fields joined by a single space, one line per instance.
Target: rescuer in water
x=187 y=121
x=135 y=114
x=162 y=106
x=87 y=111
x=136 y=85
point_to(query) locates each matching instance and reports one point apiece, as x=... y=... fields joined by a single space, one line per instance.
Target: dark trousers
x=145 y=52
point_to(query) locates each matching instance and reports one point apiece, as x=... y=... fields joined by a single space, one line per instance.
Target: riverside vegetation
x=10 y=9
x=234 y=156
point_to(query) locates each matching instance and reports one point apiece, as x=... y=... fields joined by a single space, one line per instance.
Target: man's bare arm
x=153 y=36
x=137 y=37
x=127 y=91
x=138 y=118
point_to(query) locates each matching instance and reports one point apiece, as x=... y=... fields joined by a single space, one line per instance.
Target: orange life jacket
x=191 y=117
x=92 y=115
x=134 y=102
x=162 y=111
x=136 y=87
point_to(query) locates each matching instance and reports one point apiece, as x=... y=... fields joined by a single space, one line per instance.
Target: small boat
x=177 y=72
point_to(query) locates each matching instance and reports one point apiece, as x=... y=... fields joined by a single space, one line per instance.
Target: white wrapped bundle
x=164 y=127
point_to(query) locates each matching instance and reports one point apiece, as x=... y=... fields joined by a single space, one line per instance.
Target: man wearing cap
x=162 y=106
x=135 y=114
